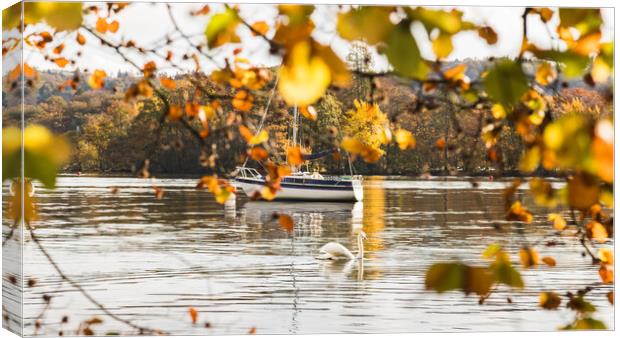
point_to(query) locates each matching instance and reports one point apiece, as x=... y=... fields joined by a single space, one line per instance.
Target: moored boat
x=303 y=186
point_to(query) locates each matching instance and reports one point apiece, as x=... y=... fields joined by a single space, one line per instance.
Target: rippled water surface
x=149 y=260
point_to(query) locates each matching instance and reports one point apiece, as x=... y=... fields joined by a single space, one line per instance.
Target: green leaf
x=443 y=277
x=369 y=23
x=585 y=20
x=403 y=53
x=448 y=22
x=506 y=83
x=506 y=274
x=586 y=324
x=221 y=28
x=40 y=167
x=572 y=64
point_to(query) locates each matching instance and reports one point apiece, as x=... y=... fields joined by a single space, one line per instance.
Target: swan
x=334 y=251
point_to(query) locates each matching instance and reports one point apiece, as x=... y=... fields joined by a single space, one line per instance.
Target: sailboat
x=303 y=185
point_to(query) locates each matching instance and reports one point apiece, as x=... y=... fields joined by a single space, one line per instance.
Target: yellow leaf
x=606 y=255
x=304 y=77
x=352 y=145
x=97 y=79
x=222 y=28
x=259 y=138
x=559 y=223
x=596 y=231
x=442 y=45
x=405 y=139
x=546 y=73
x=528 y=257
x=519 y=213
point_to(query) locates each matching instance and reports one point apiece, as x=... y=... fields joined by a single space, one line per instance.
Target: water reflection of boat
x=308 y=217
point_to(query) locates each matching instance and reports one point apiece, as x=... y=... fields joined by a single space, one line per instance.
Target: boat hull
x=299 y=192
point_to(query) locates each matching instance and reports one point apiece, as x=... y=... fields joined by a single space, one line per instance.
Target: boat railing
x=248 y=172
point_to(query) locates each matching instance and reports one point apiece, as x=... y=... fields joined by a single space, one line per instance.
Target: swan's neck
x=360 y=247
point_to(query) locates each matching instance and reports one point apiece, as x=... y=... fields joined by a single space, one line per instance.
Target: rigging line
x=263 y=118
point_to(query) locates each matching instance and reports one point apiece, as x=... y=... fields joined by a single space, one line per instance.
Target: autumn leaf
x=61 y=62
x=260 y=28
x=559 y=223
x=405 y=139
x=308 y=112
x=193 y=314
x=97 y=79
x=243 y=101
x=518 y=212
x=610 y=297
x=443 y=277
x=258 y=153
x=149 y=69
x=58 y=49
x=546 y=73
x=506 y=83
x=440 y=143
x=80 y=39
x=221 y=28
x=596 y=231
x=303 y=77
x=286 y=222
x=528 y=257
x=442 y=45
x=606 y=272
x=168 y=83
x=174 y=113
x=294 y=156
x=488 y=34
x=550 y=261
x=606 y=255
x=549 y=300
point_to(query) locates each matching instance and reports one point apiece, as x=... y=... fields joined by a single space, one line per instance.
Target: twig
x=140 y=328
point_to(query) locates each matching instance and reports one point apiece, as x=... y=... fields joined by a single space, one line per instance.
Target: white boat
x=303 y=186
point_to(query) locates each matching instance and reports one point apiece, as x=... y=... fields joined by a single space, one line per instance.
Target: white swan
x=334 y=251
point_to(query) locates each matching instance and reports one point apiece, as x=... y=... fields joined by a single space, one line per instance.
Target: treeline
x=112 y=135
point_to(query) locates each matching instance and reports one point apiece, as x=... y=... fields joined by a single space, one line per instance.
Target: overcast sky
x=148 y=25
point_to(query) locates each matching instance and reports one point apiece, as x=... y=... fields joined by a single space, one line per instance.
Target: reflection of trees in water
x=373 y=218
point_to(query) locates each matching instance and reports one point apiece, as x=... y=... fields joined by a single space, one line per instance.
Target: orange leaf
x=286 y=222
x=168 y=82
x=308 y=112
x=549 y=261
x=607 y=273
x=192 y=109
x=61 y=62
x=528 y=257
x=175 y=113
x=606 y=255
x=252 y=330
x=80 y=39
x=59 y=48
x=159 y=192
x=294 y=156
x=258 y=153
x=102 y=25
x=245 y=133
x=113 y=27
x=440 y=143
x=193 y=314
x=149 y=69
x=243 y=101
x=610 y=297
x=260 y=27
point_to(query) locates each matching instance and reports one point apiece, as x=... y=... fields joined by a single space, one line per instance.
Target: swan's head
x=362 y=235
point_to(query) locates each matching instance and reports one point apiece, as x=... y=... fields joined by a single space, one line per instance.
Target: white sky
x=148 y=24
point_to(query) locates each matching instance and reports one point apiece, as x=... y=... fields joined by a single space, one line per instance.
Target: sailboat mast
x=294 y=136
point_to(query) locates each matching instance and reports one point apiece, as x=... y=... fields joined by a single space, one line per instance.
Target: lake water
x=149 y=260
